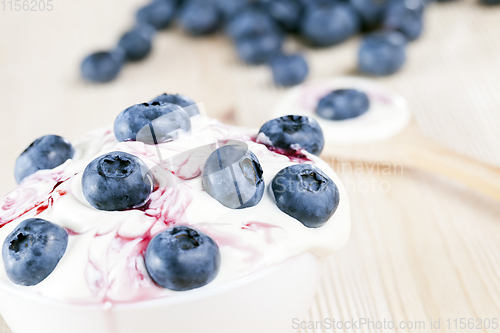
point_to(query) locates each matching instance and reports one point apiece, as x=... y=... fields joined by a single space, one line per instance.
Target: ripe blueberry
x=343 y=104
x=325 y=26
x=102 y=66
x=382 y=53
x=137 y=42
x=233 y=176
x=182 y=258
x=289 y=70
x=185 y=102
x=117 y=181
x=159 y=14
x=305 y=193
x=293 y=132
x=46 y=152
x=151 y=123
x=32 y=251
x=200 y=17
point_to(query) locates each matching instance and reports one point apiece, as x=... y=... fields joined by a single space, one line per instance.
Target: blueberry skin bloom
x=182 y=258
x=382 y=53
x=44 y=153
x=325 y=26
x=259 y=49
x=159 y=14
x=200 y=17
x=117 y=181
x=151 y=123
x=305 y=193
x=137 y=42
x=32 y=251
x=293 y=132
x=103 y=66
x=232 y=175
x=289 y=70
x=185 y=102
x=406 y=16
x=343 y=104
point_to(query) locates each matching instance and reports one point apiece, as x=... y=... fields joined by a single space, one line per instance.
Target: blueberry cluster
x=180 y=258
x=258 y=29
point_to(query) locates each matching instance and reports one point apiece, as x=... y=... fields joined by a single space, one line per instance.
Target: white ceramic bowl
x=265 y=302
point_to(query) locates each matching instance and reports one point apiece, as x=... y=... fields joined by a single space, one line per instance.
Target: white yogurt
x=104 y=260
x=387 y=116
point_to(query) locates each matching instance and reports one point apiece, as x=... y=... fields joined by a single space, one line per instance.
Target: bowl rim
x=179 y=298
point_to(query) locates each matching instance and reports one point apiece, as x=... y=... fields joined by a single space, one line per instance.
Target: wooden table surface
x=422 y=246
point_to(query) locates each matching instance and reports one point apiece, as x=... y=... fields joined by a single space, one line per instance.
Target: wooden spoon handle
x=440 y=160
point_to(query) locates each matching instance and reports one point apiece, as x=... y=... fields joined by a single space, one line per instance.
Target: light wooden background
x=422 y=246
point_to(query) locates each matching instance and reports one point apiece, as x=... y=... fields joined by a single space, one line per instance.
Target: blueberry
x=293 y=132
x=288 y=13
x=159 y=14
x=44 y=153
x=371 y=12
x=382 y=53
x=183 y=101
x=406 y=16
x=289 y=70
x=324 y=26
x=117 y=181
x=229 y=8
x=259 y=49
x=32 y=251
x=182 y=258
x=151 y=123
x=305 y=193
x=343 y=104
x=251 y=22
x=137 y=42
x=200 y=17
x=102 y=66
x=233 y=176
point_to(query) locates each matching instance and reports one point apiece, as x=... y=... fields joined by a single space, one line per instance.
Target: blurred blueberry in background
x=382 y=53
x=159 y=14
x=406 y=16
x=200 y=17
x=289 y=70
x=137 y=43
x=102 y=66
x=324 y=26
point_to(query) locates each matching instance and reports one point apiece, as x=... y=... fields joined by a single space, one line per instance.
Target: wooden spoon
x=413 y=150
x=406 y=145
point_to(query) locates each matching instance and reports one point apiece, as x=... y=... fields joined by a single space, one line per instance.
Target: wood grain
x=422 y=246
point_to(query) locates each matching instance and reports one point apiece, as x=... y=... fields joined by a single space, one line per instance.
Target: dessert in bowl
x=170 y=221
